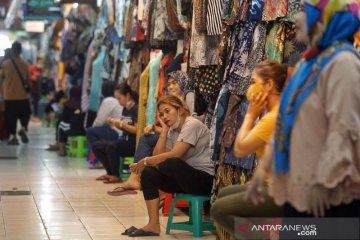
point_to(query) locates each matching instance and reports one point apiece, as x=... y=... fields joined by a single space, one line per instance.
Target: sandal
x=125 y=191
x=142 y=233
x=129 y=230
x=13 y=141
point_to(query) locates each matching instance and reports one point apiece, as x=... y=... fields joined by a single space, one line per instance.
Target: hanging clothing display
x=143 y=97
x=96 y=80
x=203 y=49
x=153 y=82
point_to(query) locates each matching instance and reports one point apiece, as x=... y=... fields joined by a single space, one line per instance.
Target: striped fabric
x=213 y=17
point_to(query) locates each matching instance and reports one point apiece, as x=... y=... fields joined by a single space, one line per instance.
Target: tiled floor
x=65 y=202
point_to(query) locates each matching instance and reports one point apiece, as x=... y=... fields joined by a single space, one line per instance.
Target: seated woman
x=177 y=85
x=180 y=162
x=110 y=107
x=268 y=79
x=71 y=120
x=108 y=152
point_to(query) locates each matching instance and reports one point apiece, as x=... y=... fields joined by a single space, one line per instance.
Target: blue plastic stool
x=195 y=223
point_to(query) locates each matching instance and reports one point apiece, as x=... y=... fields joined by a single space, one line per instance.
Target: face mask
x=39 y=65
x=128 y=105
x=254 y=90
x=176 y=124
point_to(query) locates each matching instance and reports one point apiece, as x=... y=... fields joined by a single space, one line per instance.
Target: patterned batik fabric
x=226 y=6
x=294 y=7
x=274 y=9
x=207 y=80
x=293 y=49
x=244 y=10
x=235 y=73
x=162 y=30
x=223 y=49
x=256 y=10
x=199 y=17
x=257 y=51
x=248 y=162
x=204 y=50
x=275 y=42
x=217 y=123
x=213 y=17
x=173 y=19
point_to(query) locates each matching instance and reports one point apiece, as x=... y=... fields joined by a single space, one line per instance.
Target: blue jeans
x=146 y=146
x=105 y=132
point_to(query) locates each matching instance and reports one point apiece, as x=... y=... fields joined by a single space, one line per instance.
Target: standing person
x=35 y=72
x=17 y=104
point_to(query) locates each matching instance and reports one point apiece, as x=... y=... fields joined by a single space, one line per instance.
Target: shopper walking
x=15 y=90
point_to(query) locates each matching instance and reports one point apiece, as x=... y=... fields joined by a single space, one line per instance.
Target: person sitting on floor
x=108 y=152
x=180 y=163
x=110 y=107
x=268 y=79
x=177 y=85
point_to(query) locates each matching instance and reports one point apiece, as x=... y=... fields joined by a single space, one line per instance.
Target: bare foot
x=155 y=228
x=103 y=178
x=133 y=185
x=112 y=179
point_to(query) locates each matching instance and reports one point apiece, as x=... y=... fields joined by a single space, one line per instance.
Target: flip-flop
x=142 y=233
x=125 y=192
x=129 y=230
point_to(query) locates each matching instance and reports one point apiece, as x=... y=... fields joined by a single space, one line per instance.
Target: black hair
x=124 y=89
x=108 y=88
x=16 y=48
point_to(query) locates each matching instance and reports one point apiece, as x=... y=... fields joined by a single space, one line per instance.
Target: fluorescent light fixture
x=75 y=5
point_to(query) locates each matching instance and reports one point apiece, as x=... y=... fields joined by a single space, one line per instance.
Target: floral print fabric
x=275 y=42
x=274 y=9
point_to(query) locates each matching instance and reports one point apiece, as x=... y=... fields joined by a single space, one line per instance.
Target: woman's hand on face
x=137 y=167
x=257 y=106
x=163 y=125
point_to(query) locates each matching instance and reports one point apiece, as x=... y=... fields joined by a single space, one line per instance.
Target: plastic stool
x=125 y=161
x=168 y=201
x=195 y=223
x=78 y=146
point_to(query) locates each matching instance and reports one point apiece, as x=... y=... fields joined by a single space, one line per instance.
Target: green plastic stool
x=195 y=223
x=53 y=122
x=125 y=161
x=78 y=146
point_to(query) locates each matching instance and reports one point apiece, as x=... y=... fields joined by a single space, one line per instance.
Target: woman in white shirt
x=110 y=107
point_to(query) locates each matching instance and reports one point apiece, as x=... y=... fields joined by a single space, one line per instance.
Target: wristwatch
x=145 y=161
x=121 y=124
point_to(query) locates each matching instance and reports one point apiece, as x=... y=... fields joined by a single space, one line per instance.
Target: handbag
x=25 y=82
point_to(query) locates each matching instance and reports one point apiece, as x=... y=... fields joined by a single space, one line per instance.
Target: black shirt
x=130 y=117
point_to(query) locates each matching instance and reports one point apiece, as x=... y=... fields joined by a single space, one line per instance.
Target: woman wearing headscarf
x=178 y=84
x=317 y=140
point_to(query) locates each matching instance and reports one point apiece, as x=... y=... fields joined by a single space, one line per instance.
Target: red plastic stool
x=168 y=201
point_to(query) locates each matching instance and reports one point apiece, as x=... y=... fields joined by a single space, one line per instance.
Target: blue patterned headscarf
x=331 y=25
x=182 y=79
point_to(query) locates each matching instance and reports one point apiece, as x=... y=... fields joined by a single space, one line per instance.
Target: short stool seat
x=78 y=146
x=195 y=224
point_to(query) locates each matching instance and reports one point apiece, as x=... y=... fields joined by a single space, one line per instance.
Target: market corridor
x=61 y=200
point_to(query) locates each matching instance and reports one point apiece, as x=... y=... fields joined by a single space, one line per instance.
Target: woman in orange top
x=268 y=80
